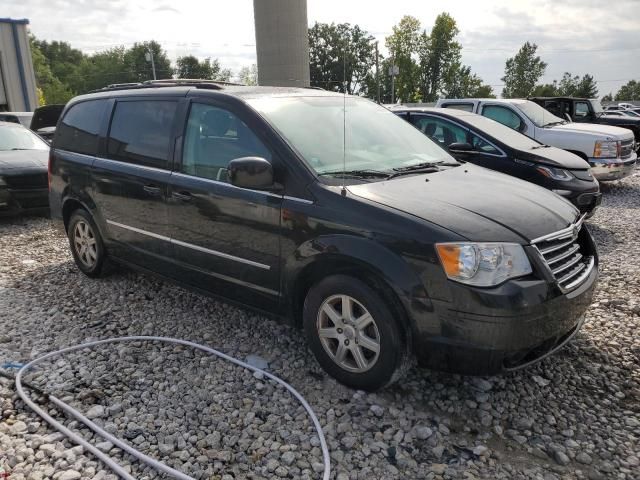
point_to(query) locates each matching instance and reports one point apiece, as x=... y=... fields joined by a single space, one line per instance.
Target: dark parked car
x=480 y=140
x=378 y=243
x=45 y=119
x=587 y=110
x=23 y=171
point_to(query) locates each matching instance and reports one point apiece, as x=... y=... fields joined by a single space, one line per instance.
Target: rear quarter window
x=79 y=129
x=141 y=132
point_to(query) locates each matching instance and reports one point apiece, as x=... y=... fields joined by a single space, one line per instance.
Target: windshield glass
x=500 y=132
x=597 y=106
x=541 y=117
x=16 y=137
x=376 y=139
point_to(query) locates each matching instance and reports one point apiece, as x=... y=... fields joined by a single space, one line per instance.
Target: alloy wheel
x=348 y=333
x=84 y=242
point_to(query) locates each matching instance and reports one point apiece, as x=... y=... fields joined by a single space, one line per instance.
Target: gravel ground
x=575 y=415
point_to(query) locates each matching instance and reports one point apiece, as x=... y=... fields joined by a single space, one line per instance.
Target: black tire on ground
x=83 y=232
x=393 y=358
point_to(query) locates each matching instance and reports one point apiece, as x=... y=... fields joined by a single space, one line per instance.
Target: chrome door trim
x=191 y=246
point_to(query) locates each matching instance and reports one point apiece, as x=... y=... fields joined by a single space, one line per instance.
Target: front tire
x=86 y=244
x=354 y=333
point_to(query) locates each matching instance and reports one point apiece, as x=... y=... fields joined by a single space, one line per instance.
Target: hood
x=476 y=203
x=614 y=133
x=17 y=161
x=556 y=157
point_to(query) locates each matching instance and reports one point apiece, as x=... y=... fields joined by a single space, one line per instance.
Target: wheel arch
x=369 y=261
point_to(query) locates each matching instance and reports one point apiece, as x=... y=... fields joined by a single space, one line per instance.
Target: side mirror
x=251 y=172
x=460 y=147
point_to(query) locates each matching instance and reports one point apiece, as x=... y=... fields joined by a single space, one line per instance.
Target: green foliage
x=50 y=88
x=608 y=97
x=568 y=86
x=629 y=91
x=461 y=83
x=248 y=75
x=190 y=67
x=522 y=72
x=442 y=60
x=404 y=44
x=339 y=53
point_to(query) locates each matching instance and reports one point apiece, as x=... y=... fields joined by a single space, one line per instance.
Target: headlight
x=555 y=173
x=483 y=264
x=606 y=149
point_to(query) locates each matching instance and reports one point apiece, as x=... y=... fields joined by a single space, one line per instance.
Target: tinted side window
x=140 y=132
x=502 y=115
x=214 y=137
x=467 y=107
x=582 y=109
x=481 y=145
x=79 y=129
x=440 y=131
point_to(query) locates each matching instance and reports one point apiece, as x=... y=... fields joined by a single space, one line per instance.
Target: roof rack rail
x=168 y=82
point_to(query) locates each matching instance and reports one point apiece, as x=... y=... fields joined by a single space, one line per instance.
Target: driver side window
x=503 y=115
x=440 y=131
x=213 y=138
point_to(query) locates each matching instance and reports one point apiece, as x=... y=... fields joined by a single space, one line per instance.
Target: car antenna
x=344 y=116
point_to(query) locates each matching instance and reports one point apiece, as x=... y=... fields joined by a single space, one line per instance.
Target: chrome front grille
x=565 y=256
x=626 y=148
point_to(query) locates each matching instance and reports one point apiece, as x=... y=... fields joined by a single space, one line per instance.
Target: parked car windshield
x=376 y=139
x=501 y=132
x=540 y=116
x=16 y=137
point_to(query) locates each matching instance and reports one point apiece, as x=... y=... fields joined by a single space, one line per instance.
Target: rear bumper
x=612 y=169
x=488 y=331
x=23 y=201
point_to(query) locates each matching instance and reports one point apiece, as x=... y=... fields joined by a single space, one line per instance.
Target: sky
x=599 y=37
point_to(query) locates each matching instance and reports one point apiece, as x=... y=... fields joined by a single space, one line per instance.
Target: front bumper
x=609 y=169
x=488 y=331
x=586 y=202
x=23 y=201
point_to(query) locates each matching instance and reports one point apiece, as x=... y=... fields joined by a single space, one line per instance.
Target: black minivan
x=330 y=211
x=477 y=139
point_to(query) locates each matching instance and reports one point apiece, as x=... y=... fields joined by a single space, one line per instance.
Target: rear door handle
x=183 y=195
x=153 y=190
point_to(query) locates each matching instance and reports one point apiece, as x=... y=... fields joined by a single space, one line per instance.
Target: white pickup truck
x=609 y=150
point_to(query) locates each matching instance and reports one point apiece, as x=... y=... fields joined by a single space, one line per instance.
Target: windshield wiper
x=358 y=173
x=18 y=148
x=422 y=165
x=540 y=146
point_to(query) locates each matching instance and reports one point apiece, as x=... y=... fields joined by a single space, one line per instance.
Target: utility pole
x=377 y=74
x=149 y=57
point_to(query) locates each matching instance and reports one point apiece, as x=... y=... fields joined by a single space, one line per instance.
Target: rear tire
x=86 y=244
x=354 y=333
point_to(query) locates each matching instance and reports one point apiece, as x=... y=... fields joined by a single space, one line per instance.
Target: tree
x=522 y=72
x=190 y=67
x=137 y=66
x=63 y=60
x=403 y=46
x=629 y=91
x=339 y=53
x=587 y=87
x=546 y=90
x=461 y=83
x=248 y=75
x=442 y=60
x=608 y=97
x=50 y=88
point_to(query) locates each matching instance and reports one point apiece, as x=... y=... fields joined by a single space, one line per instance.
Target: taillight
x=49 y=167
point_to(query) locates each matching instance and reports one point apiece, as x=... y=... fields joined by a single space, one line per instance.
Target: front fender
x=347 y=251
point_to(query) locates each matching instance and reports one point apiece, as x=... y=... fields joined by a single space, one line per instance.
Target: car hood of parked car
x=555 y=157
x=14 y=161
x=616 y=133
x=475 y=202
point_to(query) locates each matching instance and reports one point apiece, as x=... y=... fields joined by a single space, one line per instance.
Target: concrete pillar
x=17 y=78
x=282 y=42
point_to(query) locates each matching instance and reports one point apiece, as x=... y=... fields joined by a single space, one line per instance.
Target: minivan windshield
x=16 y=137
x=376 y=139
x=540 y=116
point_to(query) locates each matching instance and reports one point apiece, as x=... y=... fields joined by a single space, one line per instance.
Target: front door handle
x=153 y=190
x=182 y=195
